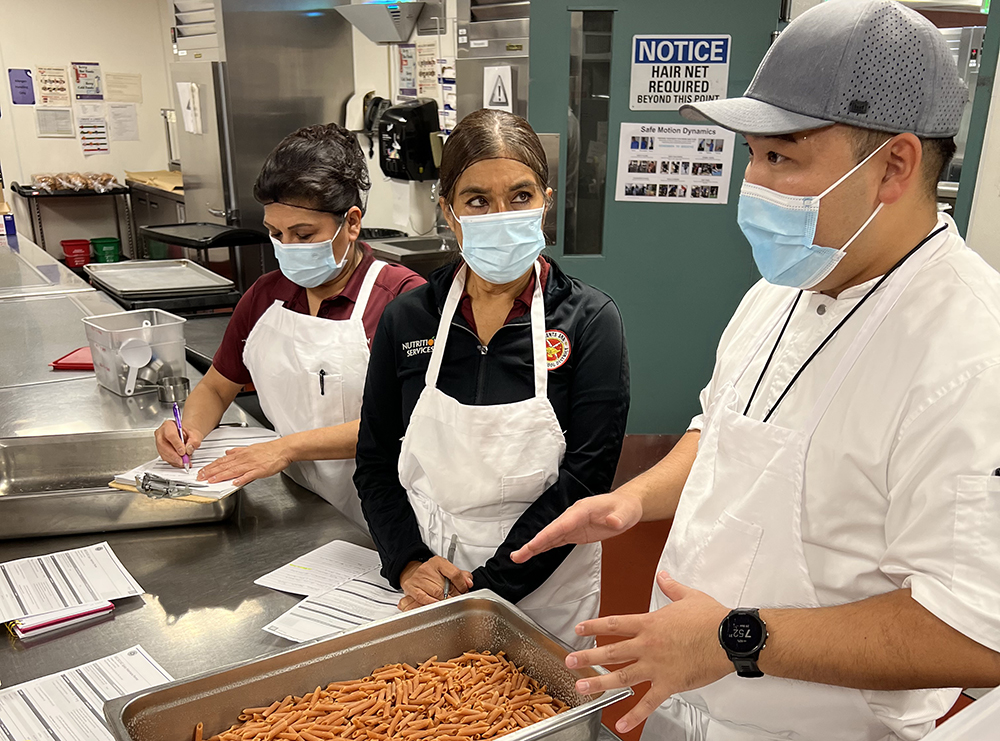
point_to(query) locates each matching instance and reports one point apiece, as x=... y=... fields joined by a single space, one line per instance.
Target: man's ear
x=903 y=158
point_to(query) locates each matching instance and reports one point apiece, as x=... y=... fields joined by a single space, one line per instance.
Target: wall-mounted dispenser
x=409 y=143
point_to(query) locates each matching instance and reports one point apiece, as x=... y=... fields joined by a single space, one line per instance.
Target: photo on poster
x=707 y=169
x=674 y=163
x=640 y=190
x=643 y=166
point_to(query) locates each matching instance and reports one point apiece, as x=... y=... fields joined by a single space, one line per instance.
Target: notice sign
x=669 y=71
x=674 y=163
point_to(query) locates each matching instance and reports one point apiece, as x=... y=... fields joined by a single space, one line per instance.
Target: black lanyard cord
x=836 y=329
x=773 y=351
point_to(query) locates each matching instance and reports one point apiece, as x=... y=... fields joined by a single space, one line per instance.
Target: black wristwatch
x=743 y=634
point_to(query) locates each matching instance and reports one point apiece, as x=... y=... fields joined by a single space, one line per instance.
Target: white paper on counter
x=350 y=605
x=322 y=569
x=29 y=586
x=69 y=706
x=213 y=447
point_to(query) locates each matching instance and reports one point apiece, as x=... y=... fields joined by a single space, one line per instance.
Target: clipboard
x=186 y=498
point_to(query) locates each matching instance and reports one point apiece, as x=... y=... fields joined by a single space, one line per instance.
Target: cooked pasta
x=473 y=696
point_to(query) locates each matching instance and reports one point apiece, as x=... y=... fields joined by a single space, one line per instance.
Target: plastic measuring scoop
x=136 y=353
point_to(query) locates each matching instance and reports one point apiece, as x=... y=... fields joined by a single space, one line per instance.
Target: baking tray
x=57 y=484
x=156 y=278
x=476 y=621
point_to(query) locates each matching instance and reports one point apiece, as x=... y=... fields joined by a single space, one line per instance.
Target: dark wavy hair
x=318 y=167
x=488 y=134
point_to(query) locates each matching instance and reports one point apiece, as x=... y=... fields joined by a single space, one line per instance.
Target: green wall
x=676 y=271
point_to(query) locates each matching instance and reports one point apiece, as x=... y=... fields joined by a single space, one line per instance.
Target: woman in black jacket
x=496 y=397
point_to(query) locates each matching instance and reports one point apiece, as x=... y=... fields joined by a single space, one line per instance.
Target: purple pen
x=180 y=431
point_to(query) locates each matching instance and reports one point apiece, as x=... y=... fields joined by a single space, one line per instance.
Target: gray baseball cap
x=874 y=64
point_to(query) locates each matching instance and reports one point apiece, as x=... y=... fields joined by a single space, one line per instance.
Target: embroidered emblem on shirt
x=418 y=347
x=556 y=349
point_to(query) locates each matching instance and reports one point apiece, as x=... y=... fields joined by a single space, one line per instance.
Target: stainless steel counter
x=28 y=270
x=81 y=405
x=36 y=400
x=35 y=330
x=201 y=609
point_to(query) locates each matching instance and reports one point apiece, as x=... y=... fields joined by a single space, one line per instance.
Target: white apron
x=737 y=536
x=310 y=373
x=472 y=471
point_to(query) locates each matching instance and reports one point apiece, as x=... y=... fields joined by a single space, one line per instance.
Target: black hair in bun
x=320 y=167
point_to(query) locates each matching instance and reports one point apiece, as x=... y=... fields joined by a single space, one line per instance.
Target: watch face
x=742 y=633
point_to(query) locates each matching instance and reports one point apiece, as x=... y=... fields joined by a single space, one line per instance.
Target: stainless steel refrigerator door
x=203 y=150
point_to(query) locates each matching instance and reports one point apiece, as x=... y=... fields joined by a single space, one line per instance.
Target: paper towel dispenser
x=409 y=144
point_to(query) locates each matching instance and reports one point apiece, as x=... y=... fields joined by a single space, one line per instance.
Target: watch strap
x=747 y=668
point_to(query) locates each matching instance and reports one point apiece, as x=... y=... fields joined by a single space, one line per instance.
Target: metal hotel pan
x=57 y=484
x=473 y=622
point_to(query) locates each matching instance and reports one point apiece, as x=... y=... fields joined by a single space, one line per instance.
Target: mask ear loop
x=847 y=175
x=855 y=168
x=863 y=227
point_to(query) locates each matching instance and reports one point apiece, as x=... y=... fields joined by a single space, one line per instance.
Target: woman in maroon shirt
x=301 y=334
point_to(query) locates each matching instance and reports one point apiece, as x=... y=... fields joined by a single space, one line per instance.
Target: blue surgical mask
x=501 y=247
x=309 y=264
x=781 y=229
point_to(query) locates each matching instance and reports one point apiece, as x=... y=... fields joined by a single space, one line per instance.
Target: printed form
x=349 y=606
x=30 y=586
x=69 y=706
x=322 y=569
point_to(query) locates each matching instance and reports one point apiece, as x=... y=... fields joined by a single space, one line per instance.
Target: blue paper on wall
x=22 y=88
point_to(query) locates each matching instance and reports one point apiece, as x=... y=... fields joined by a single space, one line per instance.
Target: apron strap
x=894 y=288
x=537 y=332
x=447 y=314
x=541 y=365
x=366 y=289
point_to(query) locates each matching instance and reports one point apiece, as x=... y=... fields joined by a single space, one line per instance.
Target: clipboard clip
x=157 y=487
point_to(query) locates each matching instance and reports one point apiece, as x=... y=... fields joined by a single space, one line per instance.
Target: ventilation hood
x=383 y=22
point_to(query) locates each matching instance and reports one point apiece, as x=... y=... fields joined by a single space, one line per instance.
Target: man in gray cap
x=834 y=558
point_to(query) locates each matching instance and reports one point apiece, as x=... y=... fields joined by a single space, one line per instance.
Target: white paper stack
x=343 y=590
x=355 y=603
x=69 y=706
x=322 y=569
x=66 y=580
x=46 y=622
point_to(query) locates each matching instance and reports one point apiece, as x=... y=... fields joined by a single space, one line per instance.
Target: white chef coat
x=898 y=488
